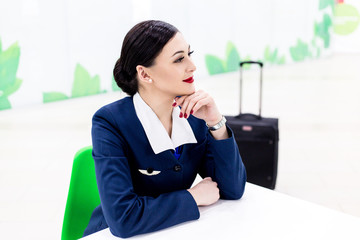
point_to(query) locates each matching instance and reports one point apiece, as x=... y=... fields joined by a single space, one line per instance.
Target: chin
x=190 y=90
x=184 y=91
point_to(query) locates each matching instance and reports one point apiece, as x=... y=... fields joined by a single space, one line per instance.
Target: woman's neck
x=161 y=104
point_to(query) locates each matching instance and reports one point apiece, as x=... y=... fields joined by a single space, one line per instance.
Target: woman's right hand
x=205 y=192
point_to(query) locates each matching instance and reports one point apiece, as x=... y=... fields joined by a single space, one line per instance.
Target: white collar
x=156 y=133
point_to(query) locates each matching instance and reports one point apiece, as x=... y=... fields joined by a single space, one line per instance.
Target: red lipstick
x=189 y=80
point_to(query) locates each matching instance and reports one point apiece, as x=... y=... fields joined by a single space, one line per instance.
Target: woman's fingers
x=188 y=106
x=202 y=102
x=188 y=102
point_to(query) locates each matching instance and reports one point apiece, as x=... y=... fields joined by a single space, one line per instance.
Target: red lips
x=189 y=80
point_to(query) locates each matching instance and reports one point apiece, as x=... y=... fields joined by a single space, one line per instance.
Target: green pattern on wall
x=232 y=58
x=216 y=65
x=300 y=51
x=83 y=85
x=326 y=3
x=9 y=83
x=322 y=30
x=114 y=86
x=273 y=56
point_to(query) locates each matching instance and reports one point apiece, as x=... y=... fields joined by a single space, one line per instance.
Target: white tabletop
x=259 y=214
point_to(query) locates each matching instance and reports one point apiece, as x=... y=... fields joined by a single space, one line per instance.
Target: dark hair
x=142 y=44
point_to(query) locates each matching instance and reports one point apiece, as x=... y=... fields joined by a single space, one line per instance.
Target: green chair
x=83 y=195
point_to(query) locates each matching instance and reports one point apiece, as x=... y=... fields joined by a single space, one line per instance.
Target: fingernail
x=174 y=104
x=191 y=112
x=181 y=115
x=185 y=115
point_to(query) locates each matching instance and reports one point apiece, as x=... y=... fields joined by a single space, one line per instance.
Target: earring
x=150 y=80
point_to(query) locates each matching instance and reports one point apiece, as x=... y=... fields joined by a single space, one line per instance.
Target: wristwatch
x=218 y=125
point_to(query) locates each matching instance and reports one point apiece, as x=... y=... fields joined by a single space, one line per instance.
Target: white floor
x=317 y=103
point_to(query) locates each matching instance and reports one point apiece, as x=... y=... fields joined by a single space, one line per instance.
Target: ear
x=142 y=73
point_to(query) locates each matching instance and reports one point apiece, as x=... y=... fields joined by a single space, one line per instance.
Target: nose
x=191 y=66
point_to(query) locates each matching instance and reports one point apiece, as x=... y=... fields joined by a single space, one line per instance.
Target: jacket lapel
x=131 y=124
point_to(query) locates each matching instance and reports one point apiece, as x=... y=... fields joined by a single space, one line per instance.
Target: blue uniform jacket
x=134 y=203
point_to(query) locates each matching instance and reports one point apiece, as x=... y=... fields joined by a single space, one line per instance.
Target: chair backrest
x=83 y=196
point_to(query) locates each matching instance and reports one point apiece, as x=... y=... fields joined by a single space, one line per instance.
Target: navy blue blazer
x=134 y=203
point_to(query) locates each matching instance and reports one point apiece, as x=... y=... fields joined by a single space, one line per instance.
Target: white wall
x=54 y=35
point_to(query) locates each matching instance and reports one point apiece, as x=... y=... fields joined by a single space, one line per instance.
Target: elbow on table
x=233 y=195
x=240 y=193
x=236 y=192
x=124 y=226
x=241 y=188
x=122 y=231
x=235 y=189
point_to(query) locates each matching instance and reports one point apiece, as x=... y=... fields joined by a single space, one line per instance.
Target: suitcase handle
x=248 y=116
x=241 y=80
x=251 y=62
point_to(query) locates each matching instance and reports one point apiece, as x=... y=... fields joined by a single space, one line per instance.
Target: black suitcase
x=257 y=138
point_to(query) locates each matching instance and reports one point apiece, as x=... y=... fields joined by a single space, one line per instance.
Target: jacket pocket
x=149 y=172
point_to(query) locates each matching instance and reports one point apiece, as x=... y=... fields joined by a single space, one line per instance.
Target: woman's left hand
x=201 y=105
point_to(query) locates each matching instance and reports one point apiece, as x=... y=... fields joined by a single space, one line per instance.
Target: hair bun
x=120 y=74
x=123 y=79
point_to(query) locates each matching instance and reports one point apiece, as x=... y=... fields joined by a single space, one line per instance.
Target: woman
x=149 y=147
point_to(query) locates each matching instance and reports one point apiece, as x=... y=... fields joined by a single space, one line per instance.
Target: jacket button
x=177 y=168
x=150 y=170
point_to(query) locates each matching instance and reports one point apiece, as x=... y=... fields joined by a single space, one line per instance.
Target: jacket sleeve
x=125 y=212
x=223 y=164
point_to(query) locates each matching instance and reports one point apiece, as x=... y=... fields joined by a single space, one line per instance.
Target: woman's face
x=172 y=66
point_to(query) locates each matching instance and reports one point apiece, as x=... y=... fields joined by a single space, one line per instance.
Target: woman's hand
x=201 y=105
x=205 y=192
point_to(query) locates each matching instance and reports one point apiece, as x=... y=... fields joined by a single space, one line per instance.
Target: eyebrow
x=179 y=52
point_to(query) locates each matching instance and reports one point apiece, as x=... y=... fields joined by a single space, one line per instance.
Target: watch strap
x=218 y=125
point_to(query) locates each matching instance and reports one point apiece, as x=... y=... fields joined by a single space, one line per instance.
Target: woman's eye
x=179 y=60
x=182 y=58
